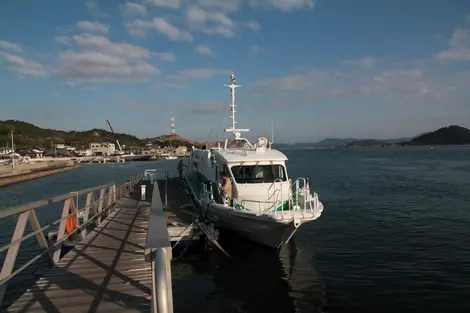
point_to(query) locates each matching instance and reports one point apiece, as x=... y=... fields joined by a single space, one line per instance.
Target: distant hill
x=334 y=142
x=340 y=142
x=173 y=140
x=375 y=142
x=452 y=135
x=328 y=142
x=167 y=138
x=27 y=134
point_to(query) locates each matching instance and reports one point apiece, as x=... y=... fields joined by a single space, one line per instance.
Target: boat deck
x=107 y=271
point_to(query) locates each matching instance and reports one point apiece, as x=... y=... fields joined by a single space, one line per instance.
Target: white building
x=181 y=150
x=104 y=148
x=64 y=146
x=5 y=151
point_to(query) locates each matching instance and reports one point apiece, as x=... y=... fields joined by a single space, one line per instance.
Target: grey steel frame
x=108 y=195
x=158 y=251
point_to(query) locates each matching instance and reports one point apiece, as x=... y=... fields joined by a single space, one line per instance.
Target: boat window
x=237 y=144
x=258 y=173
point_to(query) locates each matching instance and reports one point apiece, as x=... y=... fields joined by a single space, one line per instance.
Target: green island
x=29 y=135
x=451 y=135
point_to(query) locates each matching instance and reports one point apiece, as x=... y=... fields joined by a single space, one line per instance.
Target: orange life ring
x=70 y=227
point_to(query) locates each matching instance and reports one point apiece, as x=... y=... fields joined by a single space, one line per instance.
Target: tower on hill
x=172 y=131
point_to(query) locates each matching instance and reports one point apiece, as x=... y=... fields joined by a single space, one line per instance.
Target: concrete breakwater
x=25 y=172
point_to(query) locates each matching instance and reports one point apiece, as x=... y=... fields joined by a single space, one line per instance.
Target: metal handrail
x=108 y=195
x=27 y=212
x=37 y=204
x=268 y=205
x=158 y=252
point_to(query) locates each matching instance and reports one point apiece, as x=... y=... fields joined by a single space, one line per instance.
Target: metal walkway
x=106 y=272
x=121 y=265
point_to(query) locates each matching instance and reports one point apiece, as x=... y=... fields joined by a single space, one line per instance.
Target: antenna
x=272 y=133
x=172 y=131
x=236 y=132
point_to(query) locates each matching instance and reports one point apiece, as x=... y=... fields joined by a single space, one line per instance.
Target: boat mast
x=236 y=132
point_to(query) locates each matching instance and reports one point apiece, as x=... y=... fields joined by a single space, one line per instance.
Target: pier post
x=142 y=192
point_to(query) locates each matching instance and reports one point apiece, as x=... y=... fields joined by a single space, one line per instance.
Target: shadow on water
x=253 y=280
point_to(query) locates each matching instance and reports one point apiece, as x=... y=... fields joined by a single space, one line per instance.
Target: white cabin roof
x=250 y=155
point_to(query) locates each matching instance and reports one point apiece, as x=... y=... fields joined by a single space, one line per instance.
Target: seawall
x=25 y=172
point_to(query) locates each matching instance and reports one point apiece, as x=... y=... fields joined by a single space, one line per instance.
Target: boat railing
x=207 y=191
x=91 y=204
x=300 y=195
x=275 y=192
x=262 y=206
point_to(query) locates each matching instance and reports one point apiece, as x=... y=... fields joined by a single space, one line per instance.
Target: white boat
x=267 y=207
x=171 y=157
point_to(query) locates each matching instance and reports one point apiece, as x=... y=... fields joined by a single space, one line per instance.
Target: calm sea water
x=394 y=237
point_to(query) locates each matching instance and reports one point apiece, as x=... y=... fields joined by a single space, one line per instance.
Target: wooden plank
x=107 y=271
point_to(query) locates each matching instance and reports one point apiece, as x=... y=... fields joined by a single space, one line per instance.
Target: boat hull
x=259 y=229
x=271 y=229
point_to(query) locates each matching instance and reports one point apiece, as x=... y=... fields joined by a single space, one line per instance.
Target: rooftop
x=246 y=155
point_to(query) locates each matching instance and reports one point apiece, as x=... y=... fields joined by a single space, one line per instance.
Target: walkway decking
x=107 y=271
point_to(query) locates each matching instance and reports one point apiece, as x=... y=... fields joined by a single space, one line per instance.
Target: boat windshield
x=237 y=143
x=258 y=173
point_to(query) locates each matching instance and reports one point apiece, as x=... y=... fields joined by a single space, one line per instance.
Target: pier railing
x=158 y=252
x=75 y=220
x=83 y=210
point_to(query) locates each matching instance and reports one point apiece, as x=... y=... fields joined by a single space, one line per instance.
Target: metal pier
x=121 y=265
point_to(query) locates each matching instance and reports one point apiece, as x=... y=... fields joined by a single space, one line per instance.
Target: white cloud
x=207 y=16
x=210 y=22
x=235 y=5
x=172 y=4
x=284 y=5
x=170 y=31
x=140 y=28
x=202 y=49
x=254 y=48
x=165 y=56
x=22 y=66
x=63 y=40
x=349 y=81
x=197 y=73
x=93 y=8
x=364 y=62
x=96 y=67
x=132 y=9
x=220 y=5
x=459 y=46
x=5 y=45
x=253 y=25
x=93 y=27
x=103 y=44
x=97 y=59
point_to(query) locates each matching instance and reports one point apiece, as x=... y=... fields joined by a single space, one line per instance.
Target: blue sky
x=316 y=69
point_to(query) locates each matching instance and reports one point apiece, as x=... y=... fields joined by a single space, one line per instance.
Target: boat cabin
x=258 y=174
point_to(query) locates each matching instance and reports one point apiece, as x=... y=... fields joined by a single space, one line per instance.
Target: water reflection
x=256 y=279
x=307 y=289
